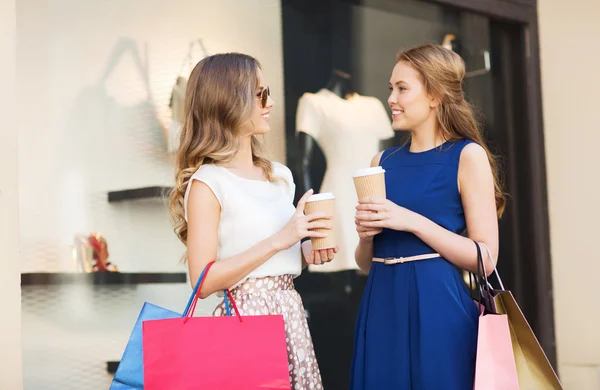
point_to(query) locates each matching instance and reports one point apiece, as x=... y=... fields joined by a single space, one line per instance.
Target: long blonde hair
x=220 y=98
x=442 y=72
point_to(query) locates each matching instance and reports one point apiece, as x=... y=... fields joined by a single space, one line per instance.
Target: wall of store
x=569 y=37
x=94 y=83
x=10 y=326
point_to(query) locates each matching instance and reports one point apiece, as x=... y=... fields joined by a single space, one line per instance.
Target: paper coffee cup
x=370 y=182
x=324 y=202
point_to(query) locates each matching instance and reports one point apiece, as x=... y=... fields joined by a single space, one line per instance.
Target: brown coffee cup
x=324 y=202
x=370 y=182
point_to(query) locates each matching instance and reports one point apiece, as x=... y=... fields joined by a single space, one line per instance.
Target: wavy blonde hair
x=442 y=73
x=220 y=98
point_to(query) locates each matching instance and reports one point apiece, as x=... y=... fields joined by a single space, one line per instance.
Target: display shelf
x=138 y=193
x=111 y=366
x=101 y=278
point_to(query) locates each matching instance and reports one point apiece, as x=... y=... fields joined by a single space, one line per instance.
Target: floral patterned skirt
x=276 y=295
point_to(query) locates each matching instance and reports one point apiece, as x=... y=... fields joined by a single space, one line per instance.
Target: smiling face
x=259 y=121
x=410 y=103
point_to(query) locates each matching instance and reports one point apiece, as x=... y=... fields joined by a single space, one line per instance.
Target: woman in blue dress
x=417 y=325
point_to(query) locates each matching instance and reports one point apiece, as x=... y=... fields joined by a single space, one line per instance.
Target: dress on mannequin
x=177 y=102
x=177 y=105
x=349 y=132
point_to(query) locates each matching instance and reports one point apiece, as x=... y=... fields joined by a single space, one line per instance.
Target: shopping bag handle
x=195 y=291
x=191 y=305
x=486 y=293
x=482 y=281
x=480 y=261
x=489 y=252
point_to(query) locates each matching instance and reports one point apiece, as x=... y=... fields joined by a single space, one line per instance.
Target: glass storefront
x=99 y=85
x=98 y=82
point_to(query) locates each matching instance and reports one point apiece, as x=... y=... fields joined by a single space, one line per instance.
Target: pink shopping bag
x=495 y=368
x=224 y=353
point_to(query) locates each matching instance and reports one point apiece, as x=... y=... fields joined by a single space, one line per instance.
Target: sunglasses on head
x=264 y=96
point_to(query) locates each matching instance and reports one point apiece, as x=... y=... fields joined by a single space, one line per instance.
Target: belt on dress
x=400 y=260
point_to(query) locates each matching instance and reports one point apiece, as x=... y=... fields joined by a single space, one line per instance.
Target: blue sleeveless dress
x=417 y=325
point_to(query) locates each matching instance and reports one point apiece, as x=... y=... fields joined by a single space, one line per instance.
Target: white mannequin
x=349 y=132
x=177 y=106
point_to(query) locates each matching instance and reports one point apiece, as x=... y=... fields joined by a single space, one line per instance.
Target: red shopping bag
x=220 y=353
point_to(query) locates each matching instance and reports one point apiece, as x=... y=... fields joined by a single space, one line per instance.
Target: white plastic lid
x=368 y=171
x=319 y=197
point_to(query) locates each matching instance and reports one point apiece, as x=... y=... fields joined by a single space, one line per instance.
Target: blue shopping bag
x=130 y=373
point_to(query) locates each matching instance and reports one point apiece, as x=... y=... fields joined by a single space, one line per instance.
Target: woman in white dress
x=232 y=205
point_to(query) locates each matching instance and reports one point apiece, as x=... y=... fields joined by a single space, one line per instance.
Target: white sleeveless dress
x=252 y=211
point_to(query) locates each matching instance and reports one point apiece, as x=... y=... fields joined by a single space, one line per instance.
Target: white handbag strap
x=493 y=262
